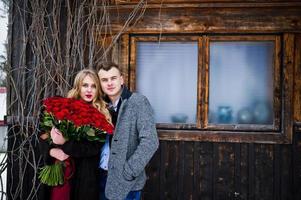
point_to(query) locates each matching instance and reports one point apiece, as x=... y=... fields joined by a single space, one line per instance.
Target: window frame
x=279 y=132
x=276 y=84
x=132 y=70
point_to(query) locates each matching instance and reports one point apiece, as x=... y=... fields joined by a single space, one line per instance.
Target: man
x=135 y=138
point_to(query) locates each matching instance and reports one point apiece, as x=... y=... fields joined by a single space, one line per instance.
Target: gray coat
x=134 y=143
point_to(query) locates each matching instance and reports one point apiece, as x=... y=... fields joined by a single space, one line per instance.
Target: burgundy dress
x=62 y=192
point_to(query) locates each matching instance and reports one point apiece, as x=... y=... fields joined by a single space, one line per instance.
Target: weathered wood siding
x=218 y=171
x=204 y=170
x=240 y=17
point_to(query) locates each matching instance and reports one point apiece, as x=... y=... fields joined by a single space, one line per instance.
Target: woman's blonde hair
x=97 y=102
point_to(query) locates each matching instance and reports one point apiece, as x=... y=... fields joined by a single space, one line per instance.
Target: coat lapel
x=121 y=110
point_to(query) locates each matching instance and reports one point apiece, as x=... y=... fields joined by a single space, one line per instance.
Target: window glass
x=241 y=82
x=167 y=74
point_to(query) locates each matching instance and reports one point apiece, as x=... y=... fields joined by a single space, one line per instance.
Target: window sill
x=225 y=136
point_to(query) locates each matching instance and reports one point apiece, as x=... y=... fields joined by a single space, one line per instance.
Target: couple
x=130 y=149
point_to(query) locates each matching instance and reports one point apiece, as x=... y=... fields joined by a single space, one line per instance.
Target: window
x=167 y=75
x=211 y=85
x=241 y=83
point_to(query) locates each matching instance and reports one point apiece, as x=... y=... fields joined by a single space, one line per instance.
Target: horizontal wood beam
x=240 y=20
x=223 y=136
x=198 y=4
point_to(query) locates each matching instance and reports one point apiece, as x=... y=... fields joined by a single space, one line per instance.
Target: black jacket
x=85 y=180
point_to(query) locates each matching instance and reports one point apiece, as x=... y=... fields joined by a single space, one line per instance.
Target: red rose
x=78 y=112
x=60 y=115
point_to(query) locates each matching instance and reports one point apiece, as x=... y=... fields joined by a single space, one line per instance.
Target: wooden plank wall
x=204 y=170
x=199 y=170
x=238 y=18
x=218 y=171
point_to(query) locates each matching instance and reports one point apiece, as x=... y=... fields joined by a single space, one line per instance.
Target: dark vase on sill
x=224 y=114
x=245 y=116
x=179 y=118
x=262 y=113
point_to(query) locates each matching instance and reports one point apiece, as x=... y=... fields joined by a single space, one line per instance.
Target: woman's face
x=88 y=89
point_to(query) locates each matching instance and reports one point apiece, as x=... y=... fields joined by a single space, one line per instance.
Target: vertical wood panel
x=296 y=166
x=180 y=178
x=169 y=173
x=163 y=168
x=286 y=179
x=206 y=171
x=225 y=171
x=133 y=58
x=196 y=170
x=153 y=174
x=277 y=92
x=297 y=78
x=205 y=82
x=237 y=171
x=123 y=59
x=288 y=70
x=244 y=171
x=188 y=171
x=200 y=108
x=16 y=96
x=251 y=171
x=264 y=172
x=214 y=171
x=17 y=58
x=277 y=169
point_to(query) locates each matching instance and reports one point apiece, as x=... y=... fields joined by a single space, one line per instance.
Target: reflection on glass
x=241 y=82
x=166 y=74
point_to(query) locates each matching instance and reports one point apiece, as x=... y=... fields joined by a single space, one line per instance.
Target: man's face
x=111 y=82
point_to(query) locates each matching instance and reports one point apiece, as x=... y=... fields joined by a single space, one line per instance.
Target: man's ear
x=121 y=80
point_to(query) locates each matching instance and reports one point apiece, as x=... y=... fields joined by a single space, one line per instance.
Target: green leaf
x=91 y=132
x=48 y=123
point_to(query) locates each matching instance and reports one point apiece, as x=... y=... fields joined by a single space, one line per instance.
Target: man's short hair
x=107 y=66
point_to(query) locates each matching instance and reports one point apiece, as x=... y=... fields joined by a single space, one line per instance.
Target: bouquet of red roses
x=77 y=120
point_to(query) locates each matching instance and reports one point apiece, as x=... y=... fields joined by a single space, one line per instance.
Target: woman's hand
x=58 y=154
x=56 y=136
x=44 y=136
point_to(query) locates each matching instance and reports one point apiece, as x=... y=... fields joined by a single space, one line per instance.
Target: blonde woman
x=84 y=179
